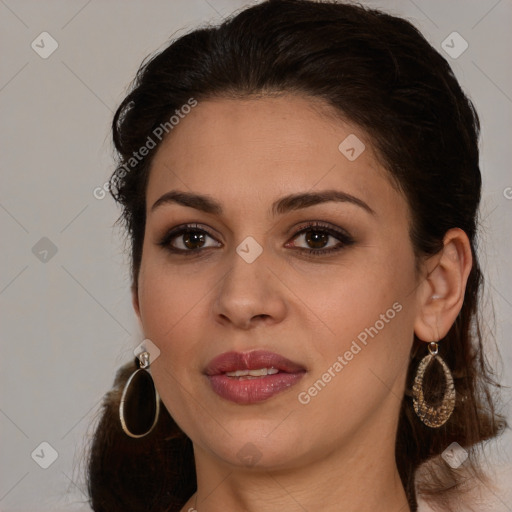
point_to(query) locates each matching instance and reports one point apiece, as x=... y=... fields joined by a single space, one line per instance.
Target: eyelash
x=317 y=227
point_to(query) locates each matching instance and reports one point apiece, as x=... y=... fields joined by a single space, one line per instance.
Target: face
x=328 y=285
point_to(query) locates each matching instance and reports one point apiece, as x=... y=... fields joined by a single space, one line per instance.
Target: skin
x=338 y=448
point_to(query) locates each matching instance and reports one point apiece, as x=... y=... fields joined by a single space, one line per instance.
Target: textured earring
x=140 y=404
x=433 y=416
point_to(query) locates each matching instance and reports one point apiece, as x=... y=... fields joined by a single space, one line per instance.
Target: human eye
x=191 y=237
x=317 y=234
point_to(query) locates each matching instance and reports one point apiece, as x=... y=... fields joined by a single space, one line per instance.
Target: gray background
x=67 y=321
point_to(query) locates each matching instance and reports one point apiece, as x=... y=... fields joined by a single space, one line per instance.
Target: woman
x=300 y=186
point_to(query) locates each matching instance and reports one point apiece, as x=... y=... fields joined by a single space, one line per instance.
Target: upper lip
x=232 y=361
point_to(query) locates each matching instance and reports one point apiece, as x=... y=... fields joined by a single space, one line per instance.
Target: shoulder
x=493 y=496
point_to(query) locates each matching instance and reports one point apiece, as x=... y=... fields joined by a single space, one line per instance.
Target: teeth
x=253 y=373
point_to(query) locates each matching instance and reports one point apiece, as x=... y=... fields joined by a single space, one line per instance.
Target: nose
x=250 y=294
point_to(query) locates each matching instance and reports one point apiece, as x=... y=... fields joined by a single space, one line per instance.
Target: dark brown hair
x=376 y=71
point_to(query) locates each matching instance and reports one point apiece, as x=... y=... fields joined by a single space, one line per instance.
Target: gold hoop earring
x=140 y=404
x=433 y=416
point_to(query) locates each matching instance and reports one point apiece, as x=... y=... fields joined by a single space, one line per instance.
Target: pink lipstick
x=251 y=377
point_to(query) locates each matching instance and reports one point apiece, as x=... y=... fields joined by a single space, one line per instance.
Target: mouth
x=250 y=377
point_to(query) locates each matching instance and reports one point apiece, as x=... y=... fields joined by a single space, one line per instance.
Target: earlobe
x=442 y=293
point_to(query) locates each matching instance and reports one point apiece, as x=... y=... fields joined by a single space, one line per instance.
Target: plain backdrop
x=67 y=321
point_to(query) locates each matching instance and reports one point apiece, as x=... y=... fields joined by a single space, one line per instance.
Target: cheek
x=370 y=318
x=368 y=300
x=375 y=336
x=169 y=297
x=367 y=363
x=359 y=373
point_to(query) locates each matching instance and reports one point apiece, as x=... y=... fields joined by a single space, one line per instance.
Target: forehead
x=265 y=148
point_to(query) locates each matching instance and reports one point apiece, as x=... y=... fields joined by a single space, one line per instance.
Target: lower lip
x=249 y=391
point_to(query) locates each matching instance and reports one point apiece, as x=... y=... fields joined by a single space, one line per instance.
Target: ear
x=441 y=294
x=135 y=302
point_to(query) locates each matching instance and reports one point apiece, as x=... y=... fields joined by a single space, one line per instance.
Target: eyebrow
x=283 y=205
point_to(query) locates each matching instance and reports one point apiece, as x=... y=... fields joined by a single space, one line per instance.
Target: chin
x=260 y=447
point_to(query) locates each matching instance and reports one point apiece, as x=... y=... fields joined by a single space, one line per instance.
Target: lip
x=248 y=391
x=232 y=361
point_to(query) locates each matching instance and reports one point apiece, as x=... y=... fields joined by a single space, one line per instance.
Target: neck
x=361 y=478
